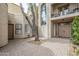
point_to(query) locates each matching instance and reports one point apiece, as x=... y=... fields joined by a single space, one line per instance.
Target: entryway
x=64 y=30
x=10 y=31
x=61 y=28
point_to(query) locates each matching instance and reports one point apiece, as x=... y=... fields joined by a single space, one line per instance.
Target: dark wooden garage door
x=11 y=31
x=65 y=29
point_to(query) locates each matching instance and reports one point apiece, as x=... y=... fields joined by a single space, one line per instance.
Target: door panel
x=11 y=31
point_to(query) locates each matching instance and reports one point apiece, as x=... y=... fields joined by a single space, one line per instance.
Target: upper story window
x=43 y=14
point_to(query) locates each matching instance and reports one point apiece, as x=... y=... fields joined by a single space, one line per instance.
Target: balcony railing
x=65 y=12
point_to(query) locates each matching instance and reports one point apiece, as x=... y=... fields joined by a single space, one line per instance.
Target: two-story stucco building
x=57 y=19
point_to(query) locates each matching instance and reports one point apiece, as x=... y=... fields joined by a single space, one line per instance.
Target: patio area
x=27 y=47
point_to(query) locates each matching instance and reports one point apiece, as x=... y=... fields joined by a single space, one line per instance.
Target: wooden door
x=11 y=31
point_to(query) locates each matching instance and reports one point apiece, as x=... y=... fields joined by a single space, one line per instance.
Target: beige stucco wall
x=3 y=24
x=14 y=9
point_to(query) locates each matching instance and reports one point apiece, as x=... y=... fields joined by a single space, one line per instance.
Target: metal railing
x=62 y=13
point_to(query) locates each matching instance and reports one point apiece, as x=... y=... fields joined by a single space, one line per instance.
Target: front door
x=11 y=31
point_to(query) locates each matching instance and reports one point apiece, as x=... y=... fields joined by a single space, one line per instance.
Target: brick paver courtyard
x=47 y=47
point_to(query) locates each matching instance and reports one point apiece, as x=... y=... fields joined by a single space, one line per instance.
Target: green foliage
x=77 y=52
x=75 y=30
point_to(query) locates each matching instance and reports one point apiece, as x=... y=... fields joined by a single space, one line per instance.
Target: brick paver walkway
x=24 y=47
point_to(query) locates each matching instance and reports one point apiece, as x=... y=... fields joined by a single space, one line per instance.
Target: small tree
x=35 y=15
x=75 y=30
x=34 y=9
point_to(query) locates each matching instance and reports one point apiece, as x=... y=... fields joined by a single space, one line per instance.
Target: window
x=18 y=28
x=43 y=14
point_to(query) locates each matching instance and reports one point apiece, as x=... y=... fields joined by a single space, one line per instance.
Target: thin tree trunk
x=36 y=23
x=33 y=29
x=25 y=15
x=37 y=34
x=35 y=19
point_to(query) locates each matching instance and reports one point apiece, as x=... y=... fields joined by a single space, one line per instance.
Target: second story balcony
x=61 y=11
x=65 y=12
